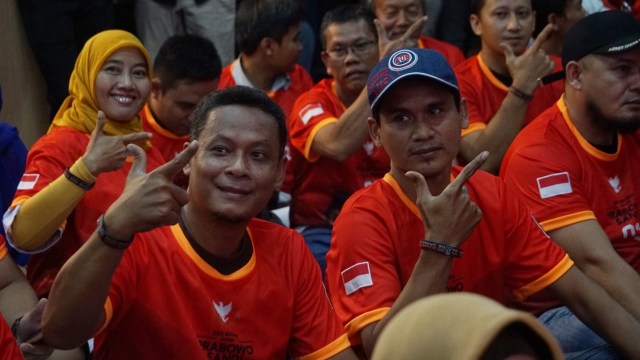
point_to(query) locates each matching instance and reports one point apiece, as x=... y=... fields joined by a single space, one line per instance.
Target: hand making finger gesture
x=409 y=39
x=533 y=64
x=149 y=200
x=451 y=216
x=107 y=153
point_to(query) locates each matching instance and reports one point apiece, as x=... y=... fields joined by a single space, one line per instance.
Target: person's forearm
x=41 y=215
x=76 y=302
x=16 y=295
x=503 y=127
x=429 y=277
x=341 y=139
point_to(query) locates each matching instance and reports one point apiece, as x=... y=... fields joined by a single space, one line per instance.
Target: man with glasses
x=332 y=153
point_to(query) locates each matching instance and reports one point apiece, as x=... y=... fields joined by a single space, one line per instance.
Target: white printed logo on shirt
x=28 y=181
x=222 y=310
x=309 y=111
x=615 y=184
x=554 y=185
x=356 y=277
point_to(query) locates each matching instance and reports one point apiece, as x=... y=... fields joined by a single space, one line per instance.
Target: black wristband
x=443 y=249
x=520 y=94
x=108 y=239
x=14 y=327
x=76 y=180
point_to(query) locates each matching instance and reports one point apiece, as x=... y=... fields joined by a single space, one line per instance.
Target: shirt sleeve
x=310 y=113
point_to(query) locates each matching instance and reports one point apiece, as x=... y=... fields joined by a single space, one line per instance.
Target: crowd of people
x=193 y=199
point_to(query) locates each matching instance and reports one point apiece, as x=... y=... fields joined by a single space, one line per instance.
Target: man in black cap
x=429 y=227
x=577 y=166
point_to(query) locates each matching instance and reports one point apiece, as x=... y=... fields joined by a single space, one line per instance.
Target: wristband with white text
x=443 y=249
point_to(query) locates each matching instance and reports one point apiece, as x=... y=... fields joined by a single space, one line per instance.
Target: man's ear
x=374 y=131
x=187 y=168
x=267 y=45
x=325 y=60
x=282 y=171
x=156 y=88
x=573 y=74
x=476 y=26
x=464 y=114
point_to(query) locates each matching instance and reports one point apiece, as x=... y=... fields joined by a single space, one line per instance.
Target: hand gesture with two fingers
x=409 y=39
x=533 y=64
x=107 y=153
x=149 y=200
x=451 y=216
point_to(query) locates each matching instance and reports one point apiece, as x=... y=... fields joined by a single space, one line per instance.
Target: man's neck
x=258 y=74
x=436 y=184
x=218 y=237
x=152 y=106
x=494 y=61
x=346 y=97
x=586 y=126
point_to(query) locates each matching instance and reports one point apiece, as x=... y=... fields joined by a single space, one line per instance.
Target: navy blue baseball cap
x=606 y=32
x=405 y=63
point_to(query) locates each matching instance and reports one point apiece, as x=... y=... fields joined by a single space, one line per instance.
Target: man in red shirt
x=428 y=227
x=219 y=284
x=576 y=166
x=186 y=69
x=396 y=16
x=500 y=84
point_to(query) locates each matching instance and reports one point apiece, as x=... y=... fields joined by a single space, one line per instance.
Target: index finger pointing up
x=470 y=169
x=543 y=36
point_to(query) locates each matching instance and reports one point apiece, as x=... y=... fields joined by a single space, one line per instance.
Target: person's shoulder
x=544 y=131
x=375 y=197
x=469 y=64
x=62 y=139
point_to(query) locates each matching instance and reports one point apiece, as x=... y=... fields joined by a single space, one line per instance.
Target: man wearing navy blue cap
x=577 y=167
x=429 y=227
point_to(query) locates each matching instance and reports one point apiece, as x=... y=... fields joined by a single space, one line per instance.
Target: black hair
x=543 y=9
x=346 y=13
x=476 y=6
x=186 y=57
x=259 y=19
x=243 y=96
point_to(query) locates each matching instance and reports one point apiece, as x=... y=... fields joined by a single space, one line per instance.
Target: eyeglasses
x=340 y=51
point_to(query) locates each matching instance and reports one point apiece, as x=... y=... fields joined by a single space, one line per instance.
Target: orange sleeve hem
x=477 y=126
x=333 y=348
x=545 y=280
x=3 y=250
x=358 y=323
x=307 y=145
x=19 y=200
x=567 y=220
x=108 y=314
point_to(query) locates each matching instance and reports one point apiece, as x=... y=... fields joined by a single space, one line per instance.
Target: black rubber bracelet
x=14 y=327
x=76 y=180
x=443 y=249
x=520 y=94
x=108 y=240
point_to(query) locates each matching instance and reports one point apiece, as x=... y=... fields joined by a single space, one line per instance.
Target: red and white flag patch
x=309 y=111
x=28 y=181
x=554 y=185
x=356 y=277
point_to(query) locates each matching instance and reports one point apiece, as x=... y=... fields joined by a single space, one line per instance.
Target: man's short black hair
x=259 y=19
x=186 y=57
x=243 y=96
x=543 y=9
x=476 y=6
x=343 y=14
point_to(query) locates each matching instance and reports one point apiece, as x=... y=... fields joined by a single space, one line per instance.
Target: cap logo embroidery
x=402 y=60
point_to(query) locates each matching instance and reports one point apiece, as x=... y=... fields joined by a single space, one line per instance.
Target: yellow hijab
x=80 y=109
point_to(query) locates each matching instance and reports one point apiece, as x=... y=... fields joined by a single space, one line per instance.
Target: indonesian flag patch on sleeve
x=356 y=277
x=554 y=185
x=309 y=111
x=28 y=181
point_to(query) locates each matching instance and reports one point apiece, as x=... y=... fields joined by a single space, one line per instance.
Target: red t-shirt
x=168 y=143
x=166 y=302
x=376 y=240
x=322 y=185
x=8 y=346
x=46 y=161
x=299 y=82
x=450 y=52
x=565 y=180
x=484 y=93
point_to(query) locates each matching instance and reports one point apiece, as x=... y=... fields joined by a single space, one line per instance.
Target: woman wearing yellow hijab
x=80 y=166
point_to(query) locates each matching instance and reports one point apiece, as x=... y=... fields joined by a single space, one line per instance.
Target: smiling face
x=396 y=16
x=350 y=71
x=237 y=166
x=504 y=21
x=122 y=85
x=419 y=126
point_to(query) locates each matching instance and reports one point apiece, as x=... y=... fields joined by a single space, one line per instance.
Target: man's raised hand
x=149 y=200
x=409 y=39
x=107 y=153
x=451 y=216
